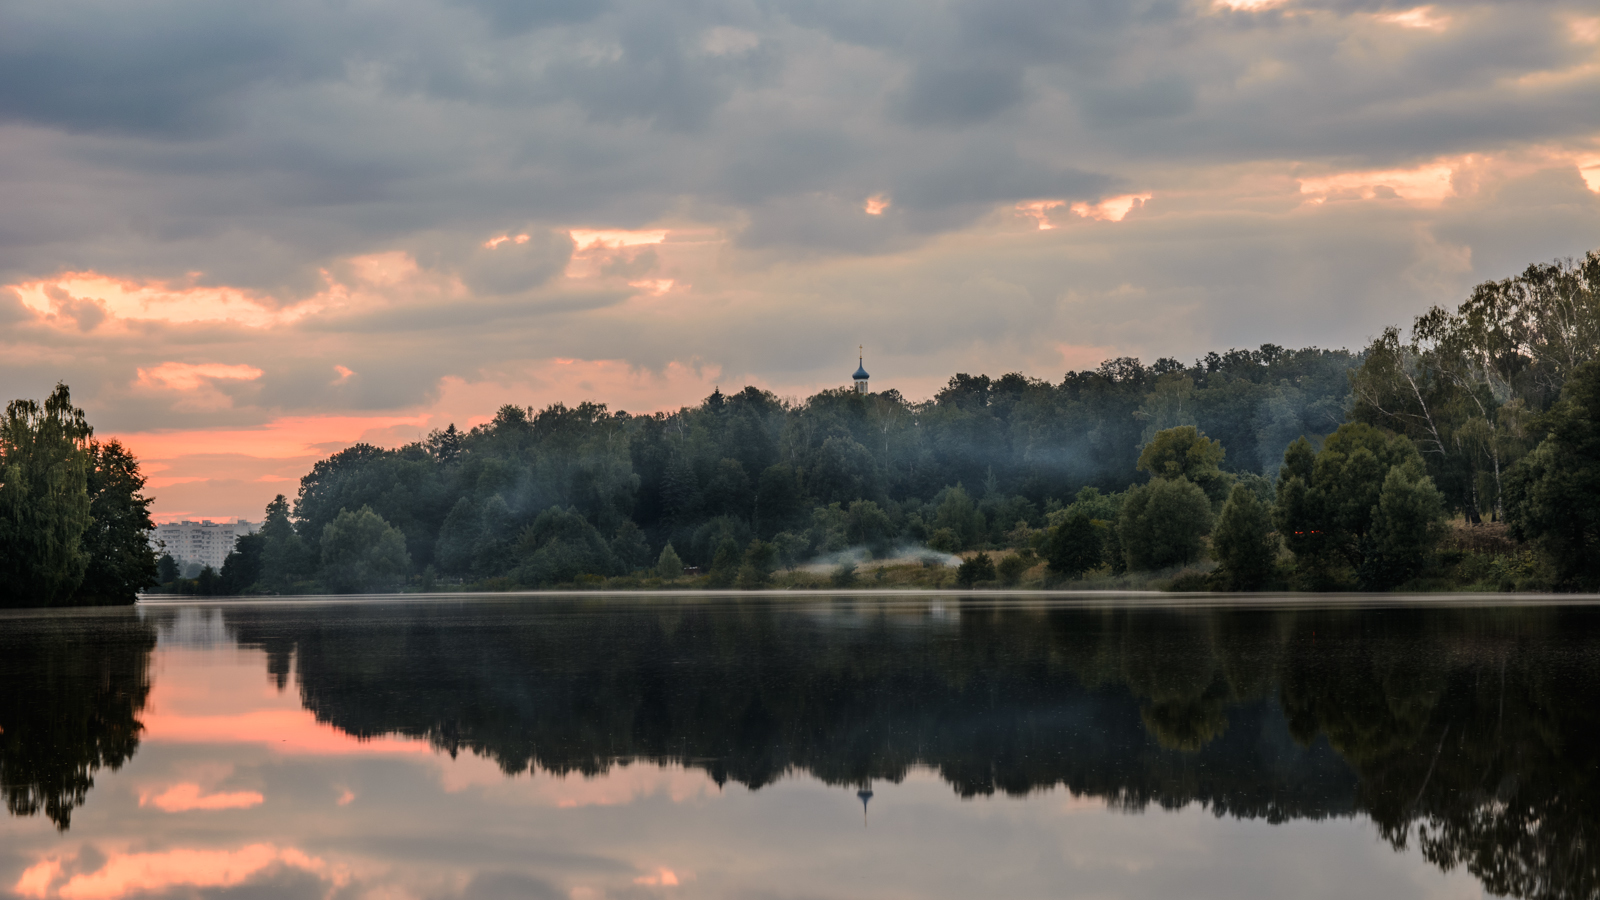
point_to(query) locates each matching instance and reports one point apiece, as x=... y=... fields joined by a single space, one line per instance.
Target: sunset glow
x=1111 y=209
x=125 y=873
x=188 y=797
x=747 y=206
x=1427 y=183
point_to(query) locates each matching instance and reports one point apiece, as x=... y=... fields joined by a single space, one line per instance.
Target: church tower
x=861 y=374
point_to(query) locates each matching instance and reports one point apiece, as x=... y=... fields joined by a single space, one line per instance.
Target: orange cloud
x=190 y=376
x=655 y=287
x=37 y=878
x=154 y=300
x=188 y=796
x=343 y=372
x=1111 y=209
x=281 y=438
x=1589 y=170
x=1430 y=183
x=876 y=204
x=127 y=873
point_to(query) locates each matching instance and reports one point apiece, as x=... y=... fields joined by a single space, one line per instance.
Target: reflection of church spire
x=865 y=794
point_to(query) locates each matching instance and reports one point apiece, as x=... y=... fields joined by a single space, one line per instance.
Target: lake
x=802 y=747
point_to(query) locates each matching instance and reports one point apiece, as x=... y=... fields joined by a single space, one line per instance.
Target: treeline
x=1308 y=468
x=74 y=522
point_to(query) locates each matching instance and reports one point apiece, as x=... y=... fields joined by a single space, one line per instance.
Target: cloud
x=123 y=873
x=457 y=201
x=187 y=797
x=191 y=376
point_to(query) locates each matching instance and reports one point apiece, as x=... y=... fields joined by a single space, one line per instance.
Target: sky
x=249 y=235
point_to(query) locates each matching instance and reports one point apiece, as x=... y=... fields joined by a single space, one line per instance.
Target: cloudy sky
x=248 y=234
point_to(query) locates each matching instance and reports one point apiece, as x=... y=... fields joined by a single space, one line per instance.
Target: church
x=861 y=374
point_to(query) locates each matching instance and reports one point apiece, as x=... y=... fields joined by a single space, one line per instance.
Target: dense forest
x=1249 y=469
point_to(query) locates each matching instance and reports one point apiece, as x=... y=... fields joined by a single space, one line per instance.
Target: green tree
x=1183 y=452
x=286 y=561
x=957 y=512
x=1010 y=570
x=362 y=553
x=1162 y=523
x=1553 y=493
x=44 y=500
x=1243 y=541
x=760 y=559
x=1406 y=526
x=866 y=524
x=1328 y=502
x=669 y=565
x=1074 y=547
x=978 y=568
x=166 y=569
x=121 y=560
x=724 y=564
x=241 y=569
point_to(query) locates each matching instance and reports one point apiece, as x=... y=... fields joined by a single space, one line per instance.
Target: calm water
x=799 y=748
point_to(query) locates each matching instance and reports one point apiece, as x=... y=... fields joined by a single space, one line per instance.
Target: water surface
x=800 y=747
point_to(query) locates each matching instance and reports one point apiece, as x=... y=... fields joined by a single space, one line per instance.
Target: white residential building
x=205 y=542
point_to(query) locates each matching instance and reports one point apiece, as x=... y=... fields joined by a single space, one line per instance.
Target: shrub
x=979 y=568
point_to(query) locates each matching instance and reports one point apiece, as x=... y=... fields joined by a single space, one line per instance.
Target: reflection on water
x=71 y=687
x=1466 y=740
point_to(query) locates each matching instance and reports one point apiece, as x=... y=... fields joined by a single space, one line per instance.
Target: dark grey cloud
x=262 y=145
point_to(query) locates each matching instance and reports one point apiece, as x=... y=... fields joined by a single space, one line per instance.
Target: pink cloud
x=492 y=243
x=616 y=238
x=1039 y=211
x=1111 y=209
x=154 y=300
x=188 y=796
x=662 y=877
x=1422 y=17
x=191 y=376
x=876 y=204
x=1428 y=183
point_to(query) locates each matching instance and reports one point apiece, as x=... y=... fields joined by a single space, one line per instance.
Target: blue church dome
x=861 y=373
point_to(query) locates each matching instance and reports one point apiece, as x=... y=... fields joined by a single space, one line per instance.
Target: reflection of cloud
x=188 y=796
x=128 y=873
x=282 y=730
x=37 y=878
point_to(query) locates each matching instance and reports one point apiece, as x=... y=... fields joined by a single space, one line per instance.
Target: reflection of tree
x=1472 y=732
x=74 y=686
